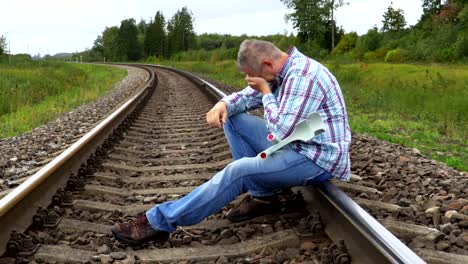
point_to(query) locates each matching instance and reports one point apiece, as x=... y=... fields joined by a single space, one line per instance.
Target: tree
x=181 y=36
x=129 y=48
x=393 y=20
x=155 y=40
x=110 y=43
x=3 y=44
x=335 y=4
x=99 y=45
x=315 y=21
x=369 y=42
x=142 y=29
x=309 y=17
x=431 y=6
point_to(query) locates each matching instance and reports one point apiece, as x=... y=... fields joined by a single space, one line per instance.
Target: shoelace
x=139 y=220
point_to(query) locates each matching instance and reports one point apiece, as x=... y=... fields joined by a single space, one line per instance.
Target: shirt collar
x=284 y=69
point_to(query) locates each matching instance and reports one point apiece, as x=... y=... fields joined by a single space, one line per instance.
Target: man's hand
x=259 y=84
x=217 y=115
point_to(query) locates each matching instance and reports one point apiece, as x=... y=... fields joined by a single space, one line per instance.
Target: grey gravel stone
x=281 y=256
x=226 y=233
x=442 y=245
x=267 y=229
x=404 y=202
x=105 y=259
x=104 y=249
x=222 y=260
x=118 y=255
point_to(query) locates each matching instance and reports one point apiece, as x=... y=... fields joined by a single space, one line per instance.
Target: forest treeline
x=440 y=35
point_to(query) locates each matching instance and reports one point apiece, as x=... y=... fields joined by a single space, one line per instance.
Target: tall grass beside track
x=419 y=106
x=33 y=93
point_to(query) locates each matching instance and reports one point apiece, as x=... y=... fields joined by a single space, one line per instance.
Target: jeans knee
x=231 y=123
x=233 y=172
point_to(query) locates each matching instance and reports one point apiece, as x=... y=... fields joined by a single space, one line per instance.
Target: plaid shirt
x=304 y=86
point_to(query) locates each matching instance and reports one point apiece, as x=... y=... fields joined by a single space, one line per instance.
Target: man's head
x=258 y=58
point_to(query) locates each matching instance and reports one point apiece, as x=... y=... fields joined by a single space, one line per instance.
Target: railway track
x=156 y=148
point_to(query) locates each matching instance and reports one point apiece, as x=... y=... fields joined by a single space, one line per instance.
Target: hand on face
x=258 y=83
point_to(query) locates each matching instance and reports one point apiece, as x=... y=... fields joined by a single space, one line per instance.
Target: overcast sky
x=53 y=26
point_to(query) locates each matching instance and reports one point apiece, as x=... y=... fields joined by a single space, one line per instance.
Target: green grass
x=33 y=93
x=418 y=106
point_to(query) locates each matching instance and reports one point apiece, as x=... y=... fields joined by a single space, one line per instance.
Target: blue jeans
x=247 y=136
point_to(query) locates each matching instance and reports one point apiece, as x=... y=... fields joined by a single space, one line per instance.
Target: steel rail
x=18 y=207
x=367 y=240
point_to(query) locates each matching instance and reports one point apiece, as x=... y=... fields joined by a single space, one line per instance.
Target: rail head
x=329 y=197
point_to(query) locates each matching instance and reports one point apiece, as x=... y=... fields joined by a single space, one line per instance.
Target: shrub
x=370 y=56
x=446 y=54
x=461 y=46
x=396 y=56
x=347 y=43
x=380 y=53
x=369 y=42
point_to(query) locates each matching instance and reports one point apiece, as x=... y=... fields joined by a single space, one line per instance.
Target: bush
x=446 y=55
x=461 y=46
x=380 y=53
x=370 y=56
x=395 y=56
x=347 y=43
x=323 y=53
x=21 y=58
x=369 y=42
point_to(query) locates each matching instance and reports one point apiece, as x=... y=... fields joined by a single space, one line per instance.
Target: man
x=290 y=86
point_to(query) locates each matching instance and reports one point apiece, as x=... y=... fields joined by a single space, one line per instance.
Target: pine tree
x=393 y=20
x=155 y=42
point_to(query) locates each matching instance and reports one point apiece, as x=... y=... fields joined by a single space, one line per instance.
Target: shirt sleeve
x=302 y=95
x=246 y=99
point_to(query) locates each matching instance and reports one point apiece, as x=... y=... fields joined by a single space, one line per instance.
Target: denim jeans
x=247 y=136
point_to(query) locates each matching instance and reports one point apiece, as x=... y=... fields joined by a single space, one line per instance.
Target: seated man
x=289 y=86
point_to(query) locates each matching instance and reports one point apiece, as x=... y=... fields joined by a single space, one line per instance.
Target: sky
x=54 y=26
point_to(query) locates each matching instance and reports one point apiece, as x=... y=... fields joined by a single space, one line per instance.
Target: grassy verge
x=418 y=106
x=34 y=93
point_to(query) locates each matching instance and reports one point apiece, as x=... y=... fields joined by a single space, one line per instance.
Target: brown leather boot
x=252 y=207
x=138 y=231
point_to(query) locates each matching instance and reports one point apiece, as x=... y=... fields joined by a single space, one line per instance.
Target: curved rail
x=367 y=240
x=18 y=207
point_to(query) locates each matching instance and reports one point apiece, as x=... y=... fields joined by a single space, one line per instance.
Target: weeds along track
x=163 y=150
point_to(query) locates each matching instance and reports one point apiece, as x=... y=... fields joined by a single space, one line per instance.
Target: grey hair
x=253 y=51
